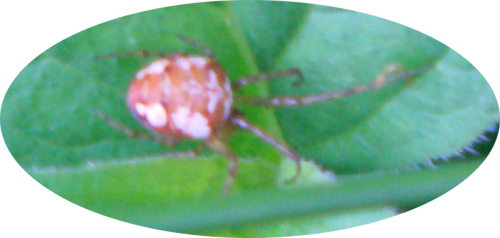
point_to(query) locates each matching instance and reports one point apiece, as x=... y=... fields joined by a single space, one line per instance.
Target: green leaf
x=49 y=127
x=439 y=113
x=153 y=208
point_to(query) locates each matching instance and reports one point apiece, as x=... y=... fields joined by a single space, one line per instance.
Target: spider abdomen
x=182 y=96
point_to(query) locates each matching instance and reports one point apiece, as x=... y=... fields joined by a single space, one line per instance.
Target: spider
x=190 y=97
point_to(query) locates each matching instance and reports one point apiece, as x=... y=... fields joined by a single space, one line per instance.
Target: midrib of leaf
x=398 y=190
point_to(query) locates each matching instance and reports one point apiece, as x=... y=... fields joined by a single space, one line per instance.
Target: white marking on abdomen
x=155 y=114
x=156 y=67
x=192 y=124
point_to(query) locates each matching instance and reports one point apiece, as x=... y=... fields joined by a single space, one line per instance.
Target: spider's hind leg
x=220 y=147
x=131 y=133
x=238 y=121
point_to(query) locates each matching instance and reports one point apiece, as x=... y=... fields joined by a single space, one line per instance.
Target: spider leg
x=241 y=122
x=136 y=53
x=269 y=76
x=392 y=73
x=220 y=147
x=132 y=133
x=197 y=45
x=143 y=53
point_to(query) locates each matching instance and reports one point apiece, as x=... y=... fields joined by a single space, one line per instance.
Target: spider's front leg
x=197 y=45
x=391 y=73
x=126 y=54
x=269 y=76
x=145 y=53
